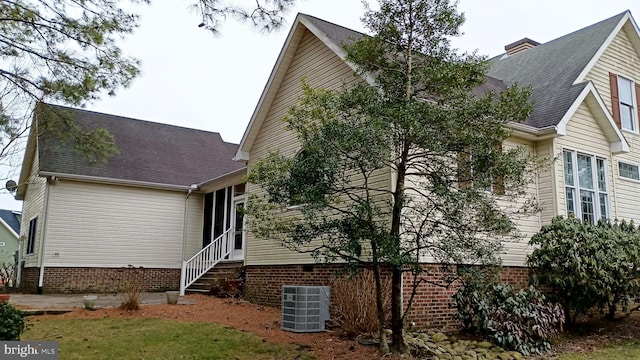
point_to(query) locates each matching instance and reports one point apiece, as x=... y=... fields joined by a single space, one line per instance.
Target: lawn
x=117 y=338
x=617 y=352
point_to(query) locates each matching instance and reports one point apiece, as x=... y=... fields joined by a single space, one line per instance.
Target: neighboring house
x=586 y=94
x=84 y=222
x=9 y=235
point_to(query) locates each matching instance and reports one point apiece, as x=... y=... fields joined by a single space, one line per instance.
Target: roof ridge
x=573 y=33
x=130 y=118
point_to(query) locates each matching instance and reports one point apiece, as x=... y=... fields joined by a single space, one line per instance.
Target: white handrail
x=205 y=259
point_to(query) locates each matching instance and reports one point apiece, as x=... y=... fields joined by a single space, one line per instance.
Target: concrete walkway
x=67 y=302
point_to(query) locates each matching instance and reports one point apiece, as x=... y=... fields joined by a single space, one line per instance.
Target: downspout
x=43 y=232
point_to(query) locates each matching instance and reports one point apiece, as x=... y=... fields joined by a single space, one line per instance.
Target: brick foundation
x=432 y=305
x=263 y=284
x=101 y=280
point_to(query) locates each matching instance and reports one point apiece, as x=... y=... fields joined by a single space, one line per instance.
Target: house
x=9 y=234
x=83 y=222
x=586 y=95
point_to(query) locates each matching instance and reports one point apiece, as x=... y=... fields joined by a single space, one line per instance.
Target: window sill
x=631 y=132
x=628 y=179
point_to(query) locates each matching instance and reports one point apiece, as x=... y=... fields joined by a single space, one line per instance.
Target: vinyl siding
x=546 y=182
x=515 y=251
x=620 y=58
x=33 y=206
x=320 y=68
x=583 y=135
x=97 y=225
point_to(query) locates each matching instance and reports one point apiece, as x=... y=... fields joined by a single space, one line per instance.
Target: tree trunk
x=397 y=323
x=384 y=344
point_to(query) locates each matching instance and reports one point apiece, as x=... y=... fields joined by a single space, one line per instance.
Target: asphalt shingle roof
x=550 y=68
x=148 y=152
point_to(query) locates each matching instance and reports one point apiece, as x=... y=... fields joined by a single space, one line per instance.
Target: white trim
x=632 y=163
x=288 y=49
x=634 y=104
x=596 y=191
x=627 y=17
x=617 y=143
x=2 y=243
x=110 y=181
x=286 y=53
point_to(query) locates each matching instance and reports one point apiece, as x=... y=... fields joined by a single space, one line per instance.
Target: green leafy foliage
x=586 y=266
x=11 y=322
x=520 y=320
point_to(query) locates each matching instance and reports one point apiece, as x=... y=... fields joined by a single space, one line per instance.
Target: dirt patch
x=260 y=320
x=587 y=336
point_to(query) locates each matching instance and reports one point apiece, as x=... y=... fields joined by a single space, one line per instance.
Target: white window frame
x=630 y=163
x=576 y=189
x=633 y=105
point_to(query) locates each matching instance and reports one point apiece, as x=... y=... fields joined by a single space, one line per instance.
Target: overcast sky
x=193 y=79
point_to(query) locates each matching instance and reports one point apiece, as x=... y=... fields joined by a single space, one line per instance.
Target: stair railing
x=205 y=259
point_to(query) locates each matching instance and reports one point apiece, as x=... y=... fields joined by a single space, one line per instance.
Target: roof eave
x=628 y=21
x=528 y=132
x=590 y=96
x=113 y=181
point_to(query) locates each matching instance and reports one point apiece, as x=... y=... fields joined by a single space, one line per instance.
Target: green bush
x=585 y=266
x=521 y=320
x=11 y=322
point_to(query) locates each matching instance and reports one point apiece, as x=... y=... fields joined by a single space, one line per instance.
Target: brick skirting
x=432 y=306
x=100 y=280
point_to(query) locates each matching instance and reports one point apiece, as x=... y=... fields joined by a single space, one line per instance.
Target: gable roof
x=332 y=35
x=149 y=153
x=10 y=219
x=551 y=69
x=555 y=70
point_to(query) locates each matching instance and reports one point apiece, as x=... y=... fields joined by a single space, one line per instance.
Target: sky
x=194 y=79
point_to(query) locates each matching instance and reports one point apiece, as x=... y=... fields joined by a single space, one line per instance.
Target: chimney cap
x=524 y=41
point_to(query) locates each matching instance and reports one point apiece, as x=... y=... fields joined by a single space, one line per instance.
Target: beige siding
x=546 y=182
x=515 y=251
x=32 y=207
x=321 y=68
x=97 y=225
x=583 y=135
x=620 y=58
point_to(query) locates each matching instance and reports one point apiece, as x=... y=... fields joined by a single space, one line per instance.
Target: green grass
x=113 y=338
x=617 y=352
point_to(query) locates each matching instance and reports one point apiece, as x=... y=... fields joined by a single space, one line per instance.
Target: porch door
x=238 y=224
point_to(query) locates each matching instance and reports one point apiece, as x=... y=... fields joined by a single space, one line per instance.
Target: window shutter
x=498 y=179
x=464 y=170
x=615 y=100
x=638 y=100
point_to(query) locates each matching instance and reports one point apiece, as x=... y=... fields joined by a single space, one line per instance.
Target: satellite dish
x=11 y=185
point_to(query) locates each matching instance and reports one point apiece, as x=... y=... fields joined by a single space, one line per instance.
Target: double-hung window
x=625 y=94
x=587 y=194
x=627 y=105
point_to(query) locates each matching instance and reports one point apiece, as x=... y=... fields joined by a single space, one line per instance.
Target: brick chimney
x=520 y=46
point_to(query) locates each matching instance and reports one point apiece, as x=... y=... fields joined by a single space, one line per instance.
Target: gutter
x=111 y=181
x=532 y=133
